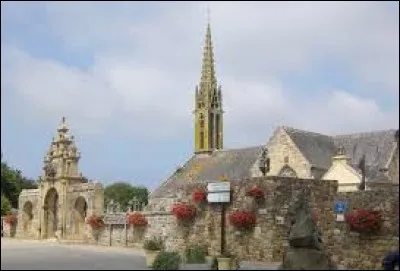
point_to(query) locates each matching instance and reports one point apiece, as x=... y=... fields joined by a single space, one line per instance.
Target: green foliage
x=153 y=244
x=12 y=183
x=167 y=261
x=196 y=254
x=124 y=192
x=5 y=205
x=214 y=263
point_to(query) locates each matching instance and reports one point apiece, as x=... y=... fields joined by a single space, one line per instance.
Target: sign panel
x=340 y=217
x=219 y=197
x=219 y=187
x=340 y=207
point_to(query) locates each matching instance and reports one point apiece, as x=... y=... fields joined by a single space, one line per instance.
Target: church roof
x=318 y=149
x=235 y=164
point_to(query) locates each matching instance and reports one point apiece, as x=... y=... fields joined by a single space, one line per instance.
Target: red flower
x=314 y=216
x=255 y=192
x=364 y=220
x=10 y=219
x=243 y=219
x=136 y=219
x=199 y=195
x=183 y=211
x=95 y=221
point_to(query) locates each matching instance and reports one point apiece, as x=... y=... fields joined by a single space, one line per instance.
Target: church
x=289 y=152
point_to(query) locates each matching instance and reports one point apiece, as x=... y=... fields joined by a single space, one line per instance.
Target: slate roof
x=317 y=148
x=235 y=164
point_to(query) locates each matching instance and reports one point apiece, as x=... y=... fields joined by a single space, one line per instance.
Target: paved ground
x=36 y=255
x=45 y=255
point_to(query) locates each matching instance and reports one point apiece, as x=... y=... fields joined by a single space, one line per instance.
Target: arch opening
x=50 y=213
x=27 y=217
x=79 y=215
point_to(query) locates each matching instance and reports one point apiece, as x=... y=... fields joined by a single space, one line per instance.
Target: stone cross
x=135 y=204
x=113 y=207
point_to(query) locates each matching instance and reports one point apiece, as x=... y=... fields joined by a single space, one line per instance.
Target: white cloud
x=145 y=69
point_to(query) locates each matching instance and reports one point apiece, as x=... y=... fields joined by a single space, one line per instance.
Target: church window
x=217 y=127
x=202 y=140
x=287 y=171
x=286 y=160
x=201 y=122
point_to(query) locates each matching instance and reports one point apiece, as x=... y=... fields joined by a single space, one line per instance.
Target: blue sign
x=340 y=207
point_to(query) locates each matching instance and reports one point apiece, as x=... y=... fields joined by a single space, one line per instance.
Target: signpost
x=220 y=192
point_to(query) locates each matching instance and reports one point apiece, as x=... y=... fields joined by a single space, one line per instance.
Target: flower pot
x=151 y=256
x=234 y=264
x=224 y=263
x=209 y=259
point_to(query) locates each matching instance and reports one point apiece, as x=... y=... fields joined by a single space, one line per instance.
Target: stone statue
x=306 y=250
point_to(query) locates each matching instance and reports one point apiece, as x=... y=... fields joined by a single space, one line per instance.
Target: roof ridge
x=365 y=133
x=244 y=148
x=306 y=131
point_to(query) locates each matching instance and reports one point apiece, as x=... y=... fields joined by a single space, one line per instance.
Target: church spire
x=208 y=76
x=208 y=103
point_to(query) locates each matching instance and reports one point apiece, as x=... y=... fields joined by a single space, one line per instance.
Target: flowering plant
x=95 y=221
x=10 y=219
x=136 y=219
x=199 y=195
x=314 y=216
x=243 y=219
x=364 y=221
x=184 y=211
x=255 y=192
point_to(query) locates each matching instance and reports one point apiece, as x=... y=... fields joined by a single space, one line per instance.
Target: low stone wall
x=267 y=241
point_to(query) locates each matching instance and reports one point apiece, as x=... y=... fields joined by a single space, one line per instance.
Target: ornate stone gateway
x=58 y=208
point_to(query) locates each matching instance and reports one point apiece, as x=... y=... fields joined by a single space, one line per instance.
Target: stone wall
x=266 y=242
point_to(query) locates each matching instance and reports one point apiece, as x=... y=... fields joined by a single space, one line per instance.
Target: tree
x=5 y=205
x=123 y=193
x=12 y=183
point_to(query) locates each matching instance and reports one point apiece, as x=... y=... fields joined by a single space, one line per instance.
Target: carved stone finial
x=340 y=151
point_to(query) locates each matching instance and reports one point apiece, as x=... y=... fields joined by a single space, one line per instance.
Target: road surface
x=39 y=255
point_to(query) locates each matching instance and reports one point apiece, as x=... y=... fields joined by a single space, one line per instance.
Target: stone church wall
x=266 y=242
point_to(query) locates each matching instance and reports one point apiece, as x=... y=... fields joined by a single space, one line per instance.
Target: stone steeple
x=61 y=160
x=208 y=104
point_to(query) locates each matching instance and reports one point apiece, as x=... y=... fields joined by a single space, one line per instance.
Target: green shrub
x=153 y=244
x=214 y=263
x=5 y=205
x=167 y=261
x=196 y=254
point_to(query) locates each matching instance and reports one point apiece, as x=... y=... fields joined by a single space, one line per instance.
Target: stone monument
x=306 y=250
x=58 y=208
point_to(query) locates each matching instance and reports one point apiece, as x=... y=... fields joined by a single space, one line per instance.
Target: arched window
x=287 y=171
x=201 y=124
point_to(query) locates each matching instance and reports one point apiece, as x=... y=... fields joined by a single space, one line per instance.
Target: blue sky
x=124 y=74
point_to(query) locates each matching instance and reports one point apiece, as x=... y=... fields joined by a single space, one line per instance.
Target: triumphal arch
x=63 y=199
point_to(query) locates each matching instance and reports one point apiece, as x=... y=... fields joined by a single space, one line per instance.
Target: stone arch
x=50 y=213
x=287 y=171
x=27 y=217
x=79 y=215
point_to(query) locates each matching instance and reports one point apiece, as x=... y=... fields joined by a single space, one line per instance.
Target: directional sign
x=219 y=187
x=218 y=197
x=340 y=207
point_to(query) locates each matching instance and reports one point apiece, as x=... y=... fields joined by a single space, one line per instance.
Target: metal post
x=222 y=228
